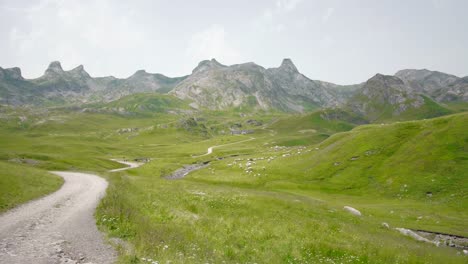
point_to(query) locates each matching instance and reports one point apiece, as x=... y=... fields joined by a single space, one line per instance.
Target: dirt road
x=210 y=149
x=59 y=228
x=130 y=165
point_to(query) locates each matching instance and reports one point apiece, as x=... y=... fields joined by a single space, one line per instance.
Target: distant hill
x=59 y=87
x=385 y=97
x=439 y=86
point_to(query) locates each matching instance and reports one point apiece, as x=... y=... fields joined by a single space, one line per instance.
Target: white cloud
x=287 y=5
x=328 y=14
x=327 y=42
x=211 y=43
x=436 y=3
x=275 y=19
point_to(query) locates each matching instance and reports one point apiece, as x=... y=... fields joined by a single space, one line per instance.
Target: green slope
x=429 y=156
x=19 y=184
x=289 y=209
x=144 y=104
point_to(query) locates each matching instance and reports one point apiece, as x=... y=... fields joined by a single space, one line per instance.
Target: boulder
x=352 y=210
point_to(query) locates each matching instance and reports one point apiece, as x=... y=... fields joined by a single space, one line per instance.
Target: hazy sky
x=338 y=41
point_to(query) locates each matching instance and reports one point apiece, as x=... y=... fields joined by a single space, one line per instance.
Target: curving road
x=58 y=228
x=130 y=165
x=210 y=149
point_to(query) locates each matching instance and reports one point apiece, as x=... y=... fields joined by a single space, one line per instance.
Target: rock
x=410 y=233
x=58 y=249
x=127 y=130
x=385 y=225
x=217 y=86
x=465 y=252
x=253 y=122
x=383 y=92
x=352 y=210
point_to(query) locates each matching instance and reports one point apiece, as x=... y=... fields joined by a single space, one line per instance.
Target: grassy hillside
x=383 y=102
x=429 y=155
x=311 y=128
x=19 y=184
x=145 y=104
x=273 y=196
x=288 y=208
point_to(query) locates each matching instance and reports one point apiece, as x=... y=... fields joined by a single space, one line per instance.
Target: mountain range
x=215 y=86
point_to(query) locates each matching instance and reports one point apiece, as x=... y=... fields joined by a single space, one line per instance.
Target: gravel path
x=184 y=171
x=130 y=165
x=58 y=228
x=210 y=149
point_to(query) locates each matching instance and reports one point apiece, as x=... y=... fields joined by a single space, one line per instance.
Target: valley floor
x=276 y=196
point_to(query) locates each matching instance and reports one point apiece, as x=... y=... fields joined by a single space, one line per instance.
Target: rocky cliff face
x=384 y=96
x=217 y=86
x=57 y=86
x=439 y=86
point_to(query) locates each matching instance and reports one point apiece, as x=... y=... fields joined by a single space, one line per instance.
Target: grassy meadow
x=273 y=196
x=19 y=184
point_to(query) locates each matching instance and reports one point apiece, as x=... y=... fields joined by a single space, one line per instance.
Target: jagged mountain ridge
x=218 y=86
x=387 y=97
x=57 y=86
x=439 y=86
x=383 y=93
x=212 y=85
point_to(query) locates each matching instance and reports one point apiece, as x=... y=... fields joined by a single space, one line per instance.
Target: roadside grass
x=187 y=221
x=19 y=184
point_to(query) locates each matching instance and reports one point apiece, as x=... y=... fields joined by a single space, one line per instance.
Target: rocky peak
x=207 y=65
x=424 y=76
x=11 y=73
x=413 y=73
x=140 y=73
x=385 y=80
x=288 y=65
x=79 y=71
x=54 y=68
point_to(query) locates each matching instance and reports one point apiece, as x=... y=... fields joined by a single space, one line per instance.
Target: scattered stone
x=410 y=233
x=445 y=239
x=385 y=225
x=337 y=163
x=355 y=158
x=352 y=210
x=181 y=173
x=58 y=249
x=142 y=160
x=127 y=130
x=371 y=152
x=253 y=122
